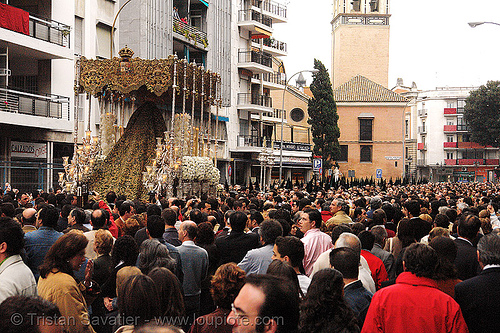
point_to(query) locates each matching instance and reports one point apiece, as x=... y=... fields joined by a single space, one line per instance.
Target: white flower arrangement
x=196 y=168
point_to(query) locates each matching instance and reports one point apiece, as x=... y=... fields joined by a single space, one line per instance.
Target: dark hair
x=79 y=215
x=34 y=310
x=98 y=222
x=314 y=215
x=226 y=284
x=66 y=209
x=49 y=216
x=389 y=211
x=153 y=210
x=269 y=231
x=196 y=216
x=324 y=308
x=346 y=261
x=155 y=254
x=12 y=234
x=367 y=240
x=339 y=230
x=66 y=247
x=446 y=250
x=169 y=216
x=281 y=301
x=170 y=292
x=468 y=226
x=257 y=216
x=125 y=207
x=421 y=260
x=413 y=207
x=238 y=221
x=489 y=249
x=292 y=247
x=379 y=216
x=125 y=249
x=304 y=202
x=379 y=233
x=155 y=226
x=442 y=220
x=406 y=232
x=285 y=270
x=111 y=197
x=191 y=230
x=134 y=294
x=206 y=234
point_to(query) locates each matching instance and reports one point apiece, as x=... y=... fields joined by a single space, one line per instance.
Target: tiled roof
x=361 y=89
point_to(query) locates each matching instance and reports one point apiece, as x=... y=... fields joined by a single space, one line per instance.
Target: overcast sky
x=430 y=40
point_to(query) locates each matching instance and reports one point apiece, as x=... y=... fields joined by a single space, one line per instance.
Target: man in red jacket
x=414 y=303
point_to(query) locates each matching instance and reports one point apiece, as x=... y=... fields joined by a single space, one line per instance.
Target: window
x=344 y=153
x=450 y=104
x=297 y=114
x=449 y=138
x=79 y=35
x=407 y=152
x=407 y=127
x=103 y=38
x=449 y=156
x=365 y=129
x=365 y=154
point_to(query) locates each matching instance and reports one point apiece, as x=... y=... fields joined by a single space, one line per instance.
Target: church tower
x=360 y=40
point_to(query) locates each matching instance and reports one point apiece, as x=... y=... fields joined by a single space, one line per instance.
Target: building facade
x=445 y=150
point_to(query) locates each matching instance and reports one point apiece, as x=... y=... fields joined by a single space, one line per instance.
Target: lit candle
x=68 y=187
x=65 y=160
x=61 y=176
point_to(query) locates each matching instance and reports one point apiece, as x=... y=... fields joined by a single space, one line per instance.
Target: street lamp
x=283 y=114
x=475 y=24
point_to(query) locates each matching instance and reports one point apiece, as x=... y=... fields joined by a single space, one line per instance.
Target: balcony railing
x=422 y=129
x=255 y=99
x=471 y=145
x=463 y=128
x=252 y=15
x=422 y=113
x=450 y=162
x=450 y=144
x=471 y=161
x=275 y=44
x=252 y=141
x=254 y=56
x=49 y=30
x=272 y=7
x=276 y=113
x=450 y=111
x=275 y=78
x=191 y=33
x=421 y=146
x=450 y=128
x=51 y=106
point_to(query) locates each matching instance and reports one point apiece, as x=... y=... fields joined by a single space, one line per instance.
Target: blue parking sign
x=379 y=173
x=317 y=164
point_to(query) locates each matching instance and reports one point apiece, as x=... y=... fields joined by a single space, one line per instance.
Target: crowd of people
x=415 y=258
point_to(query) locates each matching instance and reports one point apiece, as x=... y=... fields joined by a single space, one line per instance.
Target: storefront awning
x=204 y=2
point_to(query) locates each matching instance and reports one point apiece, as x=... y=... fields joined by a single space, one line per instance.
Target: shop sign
x=28 y=149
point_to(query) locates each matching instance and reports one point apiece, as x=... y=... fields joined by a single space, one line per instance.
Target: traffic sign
x=317 y=164
x=379 y=173
x=229 y=171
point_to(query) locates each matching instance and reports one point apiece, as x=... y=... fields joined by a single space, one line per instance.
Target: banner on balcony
x=28 y=149
x=14 y=19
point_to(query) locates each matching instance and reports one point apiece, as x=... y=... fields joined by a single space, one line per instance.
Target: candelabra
x=78 y=171
x=266 y=159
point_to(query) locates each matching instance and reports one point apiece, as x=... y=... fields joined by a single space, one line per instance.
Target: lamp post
x=283 y=114
x=475 y=24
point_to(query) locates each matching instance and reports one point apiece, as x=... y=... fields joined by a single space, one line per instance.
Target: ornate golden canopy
x=126 y=74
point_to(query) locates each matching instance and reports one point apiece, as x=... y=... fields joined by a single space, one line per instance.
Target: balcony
x=422 y=129
x=463 y=128
x=190 y=34
x=449 y=145
x=450 y=111
x=271 y=117
x=450 y=128
x=254 y=61
x=492 y=161
x=272 y=46
x=270 y=80
x=450 y=162
x=39 y=110
x=252 y=141
x=293 y=146
x=254 y=103
x=255 y=22
x=421 y=162
x=471 y=145
x=421 y=146
x=471 y=161
x=276 y=11
x=422 y=113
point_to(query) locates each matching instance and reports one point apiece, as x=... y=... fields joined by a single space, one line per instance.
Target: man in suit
x=194 y=266
x=466 y=261
x=412 y=210
x=387 y=258
x=478 y=297
x=237 y=243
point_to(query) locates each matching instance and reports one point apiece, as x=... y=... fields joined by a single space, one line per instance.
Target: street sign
x=379 y=173
x=321 y=171
x=229 y=171
x=317 y=164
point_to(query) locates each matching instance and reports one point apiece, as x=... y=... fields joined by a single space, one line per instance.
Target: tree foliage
x=482 y=114
x=323 y=117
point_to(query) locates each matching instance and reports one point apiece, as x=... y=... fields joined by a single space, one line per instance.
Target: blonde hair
x=103 y=241
x=125 y=273
x=438 y=232
x=426 y=217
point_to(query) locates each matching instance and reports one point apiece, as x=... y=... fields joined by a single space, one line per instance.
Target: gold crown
x=126 y=53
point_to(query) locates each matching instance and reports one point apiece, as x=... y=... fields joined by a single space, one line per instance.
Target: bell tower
x=360 y=40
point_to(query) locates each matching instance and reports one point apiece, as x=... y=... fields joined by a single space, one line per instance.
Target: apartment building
x=445 y=150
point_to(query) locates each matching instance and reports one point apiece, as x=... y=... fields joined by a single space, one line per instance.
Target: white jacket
x=16 y=278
